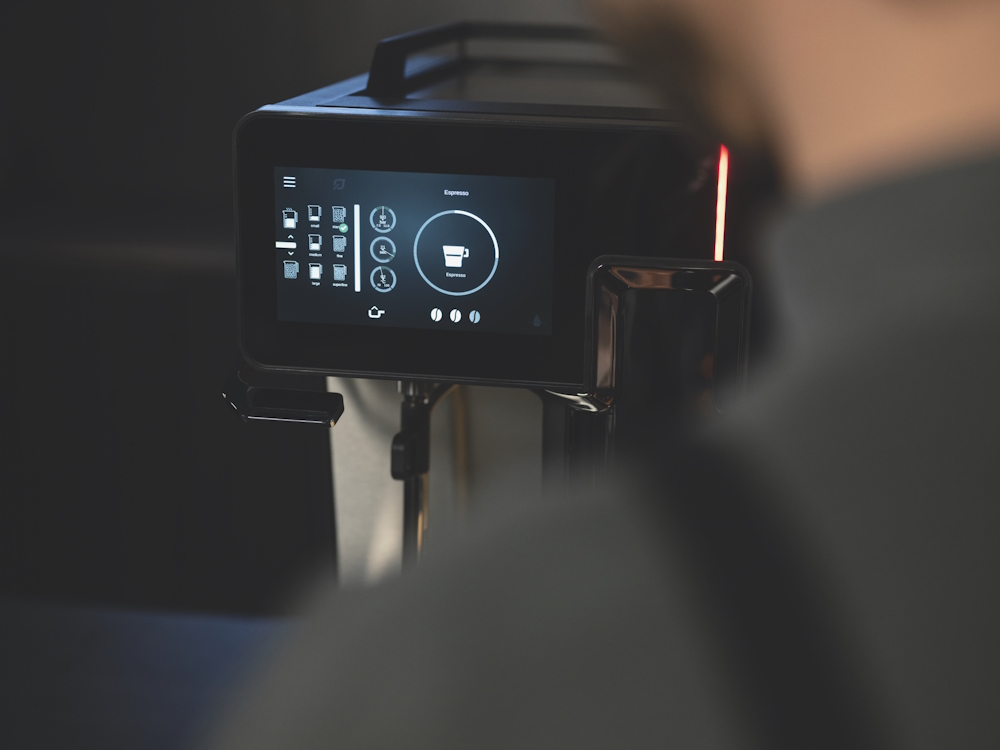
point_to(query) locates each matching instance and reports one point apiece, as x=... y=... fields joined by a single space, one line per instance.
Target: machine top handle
x=387 y=75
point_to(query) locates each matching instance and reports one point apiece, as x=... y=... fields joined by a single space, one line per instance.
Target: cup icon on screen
x=453 y=255
x=289 y=218
x=339 y=272
x=291 y=269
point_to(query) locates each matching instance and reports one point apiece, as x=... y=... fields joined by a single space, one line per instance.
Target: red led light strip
x=720 y=206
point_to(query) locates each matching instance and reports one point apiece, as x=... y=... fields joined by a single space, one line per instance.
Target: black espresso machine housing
x=442 y=217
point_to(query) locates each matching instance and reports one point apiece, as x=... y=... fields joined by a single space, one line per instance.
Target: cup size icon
x=453 y=255
x=291 y=269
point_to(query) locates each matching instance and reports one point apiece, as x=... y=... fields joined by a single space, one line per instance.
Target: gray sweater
x=820 y=569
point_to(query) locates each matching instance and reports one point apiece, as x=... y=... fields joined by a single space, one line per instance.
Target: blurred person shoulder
x=562 y=622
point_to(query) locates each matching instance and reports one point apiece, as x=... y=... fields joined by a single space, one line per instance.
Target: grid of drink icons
x=291 y=270
x=314 y=242
x=314 y=214
x=338 y=214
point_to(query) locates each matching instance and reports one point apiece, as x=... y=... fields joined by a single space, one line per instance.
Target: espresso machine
x=490 y=204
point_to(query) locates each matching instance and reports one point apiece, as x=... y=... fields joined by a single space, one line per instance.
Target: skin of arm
x=839 y=93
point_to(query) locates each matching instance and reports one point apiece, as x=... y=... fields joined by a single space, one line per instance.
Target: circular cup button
x=383 y=279
x=382 y=219
x=382 y=249
x=456 y=253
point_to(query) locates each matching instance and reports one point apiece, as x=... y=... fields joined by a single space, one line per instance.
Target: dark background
x=124 y=478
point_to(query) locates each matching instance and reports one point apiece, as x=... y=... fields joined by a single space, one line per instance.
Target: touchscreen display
x=411 y=250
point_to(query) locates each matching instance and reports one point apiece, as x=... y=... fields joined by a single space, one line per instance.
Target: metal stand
x=411 y=459
x=666 y=344
x=666 y=347
x=577 y=432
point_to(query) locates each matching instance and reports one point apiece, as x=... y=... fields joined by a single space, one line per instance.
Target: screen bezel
x=265 y=140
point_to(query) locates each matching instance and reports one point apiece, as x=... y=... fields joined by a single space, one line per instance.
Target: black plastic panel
x=628 y=190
